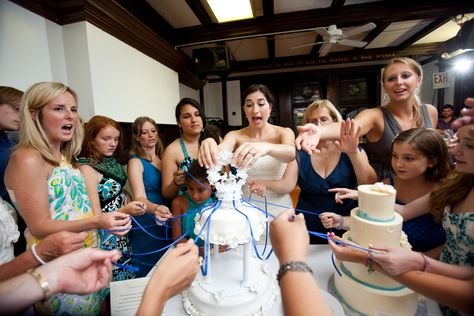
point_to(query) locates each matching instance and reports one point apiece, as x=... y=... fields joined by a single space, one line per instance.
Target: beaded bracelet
x=368 y=264
x=35 y=254
x=42 y=283
x=341 y=222
x=299 y=266
x=426 y=264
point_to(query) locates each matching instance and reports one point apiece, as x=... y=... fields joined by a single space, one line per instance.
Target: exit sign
x=440 y=80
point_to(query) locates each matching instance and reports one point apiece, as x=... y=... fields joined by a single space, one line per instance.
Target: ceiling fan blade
x=322 y=31
x=360 y=29
x=324 y=50
x=353 y=43
x=306 y=45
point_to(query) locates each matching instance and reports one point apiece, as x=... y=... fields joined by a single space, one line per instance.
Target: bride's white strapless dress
x=268 y=168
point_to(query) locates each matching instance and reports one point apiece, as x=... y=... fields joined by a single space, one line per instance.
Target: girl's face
x=257 y=109
x=408 y=162
x=400 y=82
x=106 y=141
x=148 y=135
x=59 y=118
x=190 y=120
x=197 y=193
x=10 y=116
x=321 y=116
x=464 y=151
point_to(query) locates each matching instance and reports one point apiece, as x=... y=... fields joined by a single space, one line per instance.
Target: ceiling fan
x=332 y=35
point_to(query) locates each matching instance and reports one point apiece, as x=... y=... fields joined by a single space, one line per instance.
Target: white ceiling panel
x=285 y=6
x=248 y=49
x=398 y=32
x=444 y=32
x=175 y=12
x=285 y=45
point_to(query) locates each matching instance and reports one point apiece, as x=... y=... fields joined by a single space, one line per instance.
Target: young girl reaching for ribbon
x=186 y=206
x=420 y=160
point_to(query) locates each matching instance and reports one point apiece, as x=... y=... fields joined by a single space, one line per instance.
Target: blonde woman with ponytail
x=401 y=81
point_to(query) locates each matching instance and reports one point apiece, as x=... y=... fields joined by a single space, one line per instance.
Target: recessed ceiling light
x=226 y=11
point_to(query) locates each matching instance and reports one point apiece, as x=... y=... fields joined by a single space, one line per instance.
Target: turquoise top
x=187 y=221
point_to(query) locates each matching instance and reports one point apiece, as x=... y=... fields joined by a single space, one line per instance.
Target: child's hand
x=258 y=187
x=343 y=193
x=330 y=219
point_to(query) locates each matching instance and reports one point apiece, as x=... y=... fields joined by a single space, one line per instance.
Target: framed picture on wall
x=304 y=93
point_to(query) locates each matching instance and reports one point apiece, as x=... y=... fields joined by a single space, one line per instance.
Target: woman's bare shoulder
x=28 y=157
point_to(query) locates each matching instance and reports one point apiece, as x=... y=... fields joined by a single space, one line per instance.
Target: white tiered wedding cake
x=374 y=222
x=236 y=282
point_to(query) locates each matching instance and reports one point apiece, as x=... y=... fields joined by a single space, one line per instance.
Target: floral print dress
x=68 y=201
x=459 y=246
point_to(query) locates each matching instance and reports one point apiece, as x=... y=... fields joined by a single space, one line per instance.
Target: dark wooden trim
x=271 y=47
x=350 y=15
x=268 y=9
x=337 y=4
x=200 y=12
x=362 y=55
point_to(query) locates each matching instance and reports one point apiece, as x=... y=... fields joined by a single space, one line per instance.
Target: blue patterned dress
x=112 y=197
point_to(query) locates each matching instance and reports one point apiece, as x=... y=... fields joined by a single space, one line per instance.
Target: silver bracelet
x=341 y=222
x=299 y=266
x=35 y=254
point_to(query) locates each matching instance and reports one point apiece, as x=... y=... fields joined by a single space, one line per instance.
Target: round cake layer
x=223 y=292
x=369 y=301
x=376 y=201
x=365 y=232
x=230 y=226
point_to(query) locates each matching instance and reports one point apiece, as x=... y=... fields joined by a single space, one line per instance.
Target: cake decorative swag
x=233 y=282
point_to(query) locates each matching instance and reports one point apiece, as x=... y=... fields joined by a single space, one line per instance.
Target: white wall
x=187 y=92
x=213 y=100
x=110 y=77
x=234 y=103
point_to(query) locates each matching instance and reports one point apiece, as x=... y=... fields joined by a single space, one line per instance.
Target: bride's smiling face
x=257 y=109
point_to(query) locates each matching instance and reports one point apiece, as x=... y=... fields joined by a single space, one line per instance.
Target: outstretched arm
x=173 y=274
x=300 y=293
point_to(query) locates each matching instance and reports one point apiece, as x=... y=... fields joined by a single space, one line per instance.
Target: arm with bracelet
x=299 y=291
x=81 y=272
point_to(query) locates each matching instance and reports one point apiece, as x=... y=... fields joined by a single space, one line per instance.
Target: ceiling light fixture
x=226 y=11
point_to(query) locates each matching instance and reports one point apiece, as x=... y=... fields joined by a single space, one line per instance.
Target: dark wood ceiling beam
x=337 y=4
x=200 y=12
x=316 y=47
x=356 y=56
x=376 y=32
x=63 y=12
x=349 y=15
x=271 y=47
x=268 y=9
x=423 y=32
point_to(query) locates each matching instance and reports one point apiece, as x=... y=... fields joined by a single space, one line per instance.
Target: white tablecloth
x=319 y=261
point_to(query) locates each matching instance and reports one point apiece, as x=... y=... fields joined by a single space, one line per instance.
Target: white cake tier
x=366 y=231
x=376 y=201
x=366 y=300
x=231 y=225
x=224 y=294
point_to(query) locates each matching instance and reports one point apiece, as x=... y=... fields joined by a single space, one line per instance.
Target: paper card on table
x=125 y=296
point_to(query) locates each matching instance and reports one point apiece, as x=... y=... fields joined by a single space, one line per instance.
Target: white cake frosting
x=236 y=283
x=374 y=222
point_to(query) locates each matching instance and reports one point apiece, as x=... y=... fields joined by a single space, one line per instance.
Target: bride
x=263 y=147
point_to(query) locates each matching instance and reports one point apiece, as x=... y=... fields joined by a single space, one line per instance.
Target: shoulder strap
x=426 y=116
x=183 y=148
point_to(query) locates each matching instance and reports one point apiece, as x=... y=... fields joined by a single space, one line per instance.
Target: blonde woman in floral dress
x=48 y=191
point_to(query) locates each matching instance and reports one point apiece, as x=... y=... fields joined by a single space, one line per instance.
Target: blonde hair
x=416 y=68
x=32 y=133
x=324 y=103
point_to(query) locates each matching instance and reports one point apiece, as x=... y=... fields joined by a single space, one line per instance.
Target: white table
x=319 y=261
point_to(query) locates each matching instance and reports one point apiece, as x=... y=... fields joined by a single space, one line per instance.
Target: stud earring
x=386 y=98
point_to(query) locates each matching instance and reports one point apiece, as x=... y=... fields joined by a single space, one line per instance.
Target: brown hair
x=93 y=127
x=413 y=65
x=10 y=95
x=137 y=131
x=261 y=88
x=451 y=191
x=197 y=172
x=432 y=146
